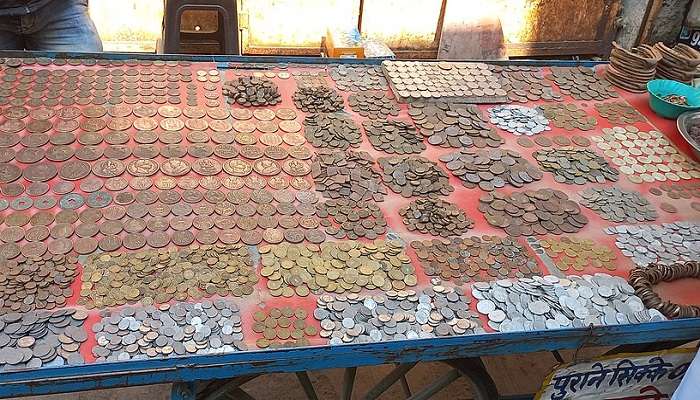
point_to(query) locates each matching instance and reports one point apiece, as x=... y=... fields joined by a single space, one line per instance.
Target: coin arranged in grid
x=568 y=116
x=348 y=174
x=345 y=218
x=575 y=165
x=436 y=217
x=358 y=78
x=663 y=244
x=674 y=191
x=282 y=327
x=332 y=130
x=414 y=176
x=393 y=136
x=318 y=99
x=619 y=112
x=519 y=120
x=581 y=83
x=618 y=205
x=525 y=83
x=374 y=105
x=491 y=169
x=571 y=252
x=454 y=125
x=250 y=91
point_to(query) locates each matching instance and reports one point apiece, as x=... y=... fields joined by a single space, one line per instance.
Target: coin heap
x=674 y=191
x=444 y=80
x=334 y=130
x=519 y=120
x=619 y=112
x=317 y=99
x=525 y=83
x=179 y=329
x=490 y=169
x=358 y=78
x=568 y=116
x=572 y=252
x=453 y=125
x=36 y=283
x=340 y=267
x=575 y=165
x=393 y=136
x=464 y=260
x=581 y=83
x=645 y=156
x=345 y=218
x=414 y=176
x=532 y=212
x=618 y=205
x=348 y=174
x=539 y=303
x=436 y=217
x=252 y=91
x=159 y=276
x=664 y=244
x=433 y=312
x=310 y=77
x=282 y=327
x=34 y=339
x=374 y=105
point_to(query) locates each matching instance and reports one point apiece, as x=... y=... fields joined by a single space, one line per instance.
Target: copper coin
x=37 y=188
x=108 y=168
x=66 y=217
x=175 y=167
x=85 y=245
x=37 y=233
x=157 y=224
x=30 y=155
x=116 y=184
x=241 y=113
x=72 y=170
x=669 y=208
x=119 y=124
x=290 y=126
x=296 y=167
x=294 y=139
x=182 y=238
x=232 y=182
x=229 y=236
x=158 y=239
x=60 y=246
x=286 y=114
x=34 y=249
x=142 y=167
x=134 y=241
x=110 y=243
x=251 y=237
x=272 y=236
x=145 y=111
x=8 y=251
x=12 y=234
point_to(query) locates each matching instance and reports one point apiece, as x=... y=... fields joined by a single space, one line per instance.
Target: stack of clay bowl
x=678 y=63
x=632 y=69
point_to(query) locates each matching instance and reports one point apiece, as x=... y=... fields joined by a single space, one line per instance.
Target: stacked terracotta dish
x=678 y=63
x=632 y=69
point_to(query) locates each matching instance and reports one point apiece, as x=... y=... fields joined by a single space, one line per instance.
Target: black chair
x=223 y=41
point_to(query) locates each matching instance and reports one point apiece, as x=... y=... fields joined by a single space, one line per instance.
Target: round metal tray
x=684 y=122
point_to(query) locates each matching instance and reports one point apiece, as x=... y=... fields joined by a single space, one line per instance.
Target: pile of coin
x=519 y=120
x=334 y=130
x=532 y=212
x=374 y=105
x=345 y=218
x=525 y=83
x=310 y=77
x=434 y=312
x=145 y=276
x=568 y=116
x=454 y=125
x=34 y=339
x=665 y=244
x=558 y=140
x=463 y=260
x=339 y=267
x=358 y=78
x=282 y=327
x=252 y=91
x=444 y=80
x=393 y=136
x=349 y=174
x=29 y=283
x=539 y=303
x=207 y=327
x=575 y=165
x=645 y=156
x=436 y=217
x=619 y=112
x=674 y=191
x=571 y=252
x=581 y=83
x=317 y=99
x=618 y=205
x=491 y=169
x=414 y=176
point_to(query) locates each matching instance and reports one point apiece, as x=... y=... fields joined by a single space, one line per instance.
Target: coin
x=581 y=83
x=414 y=176
x=331 y=130
x=358 y=78
x=317 y=99
x=436 y=217
x=348 y=174
x=570 y=252
x=619 y=113
x=346 y=218
x=575 y=165
x=525 y=83
x=393 y=136
x=568 y=116
x=491 y=169
x=618 y=205
x=453 y=125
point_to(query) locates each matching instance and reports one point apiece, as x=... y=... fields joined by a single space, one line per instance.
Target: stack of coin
x=568 y=116
x=665 y=244
x=348 y=174
x=618 y=205
x=619 y=112
x=414 y=176
x=581 y=83
x=374 y=105
x=632 y=69
x=532 y=212
x=572 y=252
x=317 y=99
x=340 y=267
x=358 y=78
x=436 y=217
x=453 y=125
x=190 y=273
x=463 y=260
x=36 y=282
x=207 y=327
x=393 y=136
x=334 y=130
x=525 y=83
x=345 y=218
x=433 y=312
x=575 y=165
x=539 y=303
x=41 y=338
x=677 y=63
x=491 y=169
x=519 y=120
x=282 y=327
x=643 y=280
x=252 y=91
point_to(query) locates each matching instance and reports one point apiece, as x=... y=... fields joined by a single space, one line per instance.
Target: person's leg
x=10 y=38
x=61 y=25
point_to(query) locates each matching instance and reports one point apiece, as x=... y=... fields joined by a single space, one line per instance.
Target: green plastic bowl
x=659 y=88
